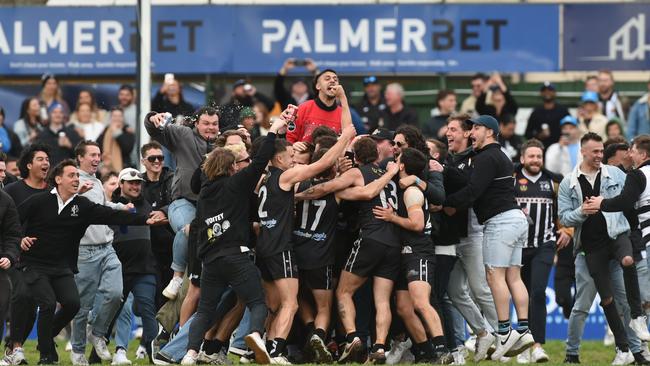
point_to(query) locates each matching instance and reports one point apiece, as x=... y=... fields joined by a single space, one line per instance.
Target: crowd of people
x=301 y=229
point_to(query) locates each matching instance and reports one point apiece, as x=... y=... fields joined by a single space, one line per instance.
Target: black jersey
x=416 y=242
x=275 y=210
x=538 y=200
x=314 y=230
x=371 y=227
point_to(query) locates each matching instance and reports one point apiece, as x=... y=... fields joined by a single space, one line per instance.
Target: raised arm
x=345 y=180
x=370 y=190
x=481 y=177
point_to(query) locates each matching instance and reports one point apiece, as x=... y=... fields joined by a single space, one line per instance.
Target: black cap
x=240 y=82
x=383 y=134
x=547 y=86
x=370 y=80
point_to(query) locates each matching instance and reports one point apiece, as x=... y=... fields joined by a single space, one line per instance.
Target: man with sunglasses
x=372 y=104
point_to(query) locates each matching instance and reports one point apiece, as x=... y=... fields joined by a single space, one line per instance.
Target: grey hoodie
x=97 y=234
x=188 y=148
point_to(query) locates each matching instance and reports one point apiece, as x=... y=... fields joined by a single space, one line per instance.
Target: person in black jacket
x=60 y=138
x=54 y=223
x=9 y=242
x=224 y=210
x=490 y=190
x=544 y=121
x=300 y=90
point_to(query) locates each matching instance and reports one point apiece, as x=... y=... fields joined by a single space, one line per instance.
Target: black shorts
x=278 y=266
x=415 y=269
x=372 y=258
x=318 y=278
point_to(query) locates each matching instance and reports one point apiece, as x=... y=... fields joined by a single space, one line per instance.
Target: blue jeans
x=242 y=330
x=177 y=347
x=643 y=271
x=99 y=283
x=504 y=235
x=143 y=288
x=123 y=324
x=181 y=213
x=585 y=295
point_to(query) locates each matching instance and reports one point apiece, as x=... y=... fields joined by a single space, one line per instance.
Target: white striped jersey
x=537 y=200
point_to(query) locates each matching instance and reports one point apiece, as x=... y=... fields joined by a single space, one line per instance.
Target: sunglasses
x=245 y=160
x=400 y=144
x=153 y=158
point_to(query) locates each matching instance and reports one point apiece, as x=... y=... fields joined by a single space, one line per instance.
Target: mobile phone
x=350 y=155
x=169 y=78
x=300 y=62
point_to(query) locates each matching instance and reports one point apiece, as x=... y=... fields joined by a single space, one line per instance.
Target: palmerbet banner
x=257 y=39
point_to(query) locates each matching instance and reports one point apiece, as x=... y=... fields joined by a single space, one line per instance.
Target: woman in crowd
x=30 y=122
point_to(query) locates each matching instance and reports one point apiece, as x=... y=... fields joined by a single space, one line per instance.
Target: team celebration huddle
x=310 y=237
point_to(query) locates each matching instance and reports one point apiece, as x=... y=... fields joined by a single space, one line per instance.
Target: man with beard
x=321 y=110
x=544 y=122
x=372 y=104
x=536 y=193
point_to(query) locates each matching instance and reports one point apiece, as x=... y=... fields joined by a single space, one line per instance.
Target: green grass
x=592 y=353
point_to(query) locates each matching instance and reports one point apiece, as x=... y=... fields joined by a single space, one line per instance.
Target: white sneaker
x=16 y=357
x=217 y=358
x=119 y=358
x=141 y=353
x=623 y=358
x=100 y=347
x=524 y=357
x=504 y=343
x=280 y=360
x=538 y=355
x=482 y=346
x=237 y=351
x=171 y=291
x=608 y=340
x=78 y=359
x=523 y=343
x=256 y=344
x=640 y=326
x=68 y=347
x=189 y=359
x=644 y=351
x=470 y=343
x=137 y=333
x=459 y=357
x=3 y=362
x=397 y=349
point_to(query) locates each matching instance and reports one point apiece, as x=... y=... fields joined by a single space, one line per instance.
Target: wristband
x=417 y=181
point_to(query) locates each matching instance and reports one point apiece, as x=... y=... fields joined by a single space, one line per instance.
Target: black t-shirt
x=371 y=227
x=315 y=229
x=20 y=191
x=275 y=210
x=551 y=117
x=594 y=233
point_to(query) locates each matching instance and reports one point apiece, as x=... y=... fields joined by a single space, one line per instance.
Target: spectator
x=34 y=165
x=437 y=150
x=30 y=122
x=262 y=120
x=87 y=127
x=12 y=166
x=639 y=119
x=372 y=104
x=60 y=138
x=97 y=114
x=170 y=99
x=591 y=83
x=563 y=156
x=437 y=127
x=321 y=111
x=618 y=154
x=591 y=120
x=9 y=140
x=496 y=99
x=614 y=129
x=244 y=94
x=544 y=121
x=5 y=177
x=509 y=141
x=608 y=98
x=247 y=119
x=299 y=92
x=10 y=236
x=109 y=183
x=116 y=143
x=51 y=95
x=397 y=113
x=126 y=101
x=478 y=85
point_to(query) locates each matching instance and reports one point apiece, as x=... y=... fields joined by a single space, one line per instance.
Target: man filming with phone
x=299 y=91
x=564 y=155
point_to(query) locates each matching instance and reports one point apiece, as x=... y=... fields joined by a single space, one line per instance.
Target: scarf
x=112 y=152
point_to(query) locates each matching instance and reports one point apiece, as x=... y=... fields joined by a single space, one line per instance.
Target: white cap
x=129 y=174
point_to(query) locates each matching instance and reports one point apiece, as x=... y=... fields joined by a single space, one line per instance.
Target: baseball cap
x=240 y=82
x=129 y=174
x=568 y=119
x=589 y=97
x=370 y=80
x=487 y=121
x=547 y=85
x=383 y=134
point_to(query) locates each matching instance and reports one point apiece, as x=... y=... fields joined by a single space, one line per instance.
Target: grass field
x=592 y=353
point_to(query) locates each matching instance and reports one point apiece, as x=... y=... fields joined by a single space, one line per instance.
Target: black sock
x=426 y=348
x=439 y=342
x=310 y=327
x=212 y=346
x=280 y=346
x=638 y=357
x=377 y=346
x=269 y=345
x=522 y=325
x=350 y=337
x=320 y=333
x=504 y=327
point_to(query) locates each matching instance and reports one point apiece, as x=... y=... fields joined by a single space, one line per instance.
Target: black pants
x=49 y=286
x=444 y=265
x=23 y=308
x=565 y=278
x=537 y=264
x=238 y=272
x=5 y=296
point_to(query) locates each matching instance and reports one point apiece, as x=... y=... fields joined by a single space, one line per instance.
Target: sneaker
x=78 y=359
x=459 y=357
x=161 y=339
x=504 y=343
x=524 y=341
x=443 y=358
x=141 y=353
x=572 y=359
x=4 y=363
x=482 y=346
x=538 y=355
x=99 y=343
x=248 y=357
x=644 y=351
x=137 y=333
x=119 y=358
x=48 y=360
x=161 y=359
x=608 y=340
x=217 y=358
x=189 y=359
x=68 y=347
x=280 y=360
x=256 y=344
x=171 y=291
x=352 y=351
x=378 y=356
x=397 y=350
x=470 y=343
x=639 y=359
x=319 y=350
x=237 y=351
x=623 y=358
x=640 y=326
x=524 y=357
x=16 y=357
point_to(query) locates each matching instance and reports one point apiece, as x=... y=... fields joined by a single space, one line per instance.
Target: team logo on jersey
x=523 y=181
x=523 y=188
x=291 y=126
x=74 y=211
x=269 y=224
x=545 y=186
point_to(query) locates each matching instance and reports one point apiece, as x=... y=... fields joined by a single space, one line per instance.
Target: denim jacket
x=638 y=122
x=570 y=214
